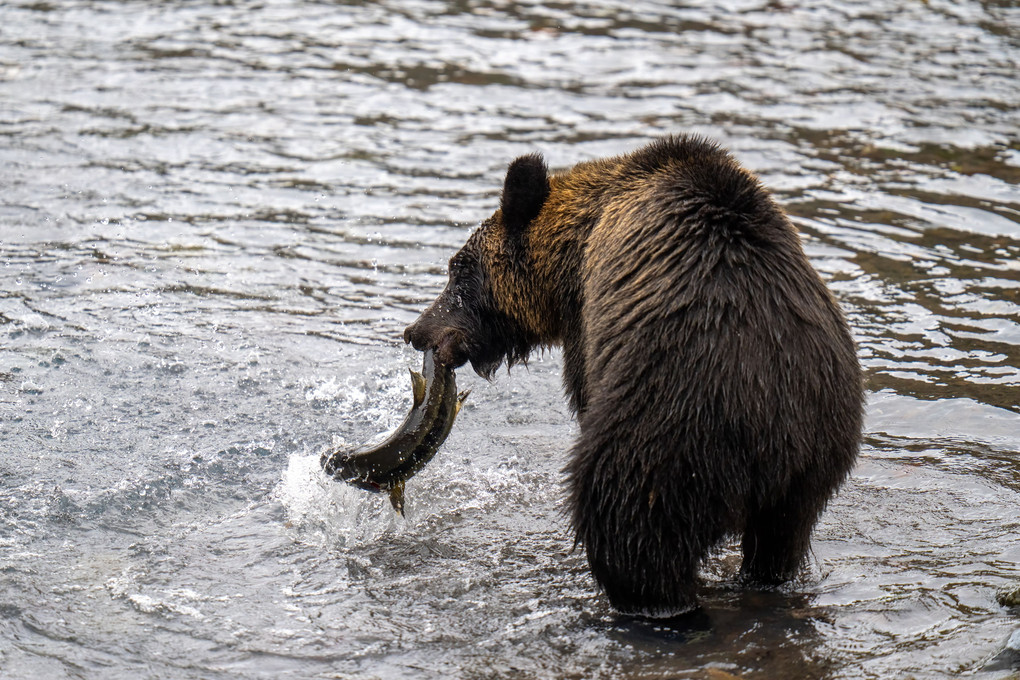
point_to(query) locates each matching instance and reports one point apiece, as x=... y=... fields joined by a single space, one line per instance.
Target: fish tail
x=397 y=497
x=461 y=398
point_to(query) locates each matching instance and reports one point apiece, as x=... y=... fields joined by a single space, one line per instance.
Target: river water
x=217 y=216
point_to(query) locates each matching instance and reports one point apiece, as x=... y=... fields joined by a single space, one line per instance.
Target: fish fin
x=461 y=398
x=397 y=497
x=418 y=387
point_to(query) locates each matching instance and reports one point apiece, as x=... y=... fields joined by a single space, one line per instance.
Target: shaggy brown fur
x=713 y=375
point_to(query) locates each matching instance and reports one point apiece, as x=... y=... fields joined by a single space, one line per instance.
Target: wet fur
x=714 y=378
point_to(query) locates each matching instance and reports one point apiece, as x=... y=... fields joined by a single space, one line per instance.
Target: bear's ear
x=524 y=192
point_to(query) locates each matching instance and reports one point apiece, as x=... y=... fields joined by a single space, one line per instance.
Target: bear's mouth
x=450 y=344
x=486 y=348
x=452 y=348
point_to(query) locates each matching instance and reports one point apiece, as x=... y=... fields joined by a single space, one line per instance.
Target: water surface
x=218 y=217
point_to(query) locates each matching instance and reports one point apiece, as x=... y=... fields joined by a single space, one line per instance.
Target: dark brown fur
x=713 y=375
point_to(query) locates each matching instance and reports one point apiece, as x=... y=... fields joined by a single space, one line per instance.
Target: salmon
x=387 y=466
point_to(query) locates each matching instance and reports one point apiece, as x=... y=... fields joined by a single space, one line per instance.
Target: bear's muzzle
x=449 y=343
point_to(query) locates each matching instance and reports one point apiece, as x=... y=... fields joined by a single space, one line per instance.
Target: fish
x=386 y=467
x=394 y=480
x=359 y=466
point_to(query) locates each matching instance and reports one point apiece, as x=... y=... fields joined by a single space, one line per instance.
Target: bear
x=713 y=375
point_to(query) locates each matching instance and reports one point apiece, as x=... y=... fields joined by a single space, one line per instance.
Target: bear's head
x=493 y=309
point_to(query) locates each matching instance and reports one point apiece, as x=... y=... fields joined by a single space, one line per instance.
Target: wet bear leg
x=776 y=541
x=647 y=589
x=644 y=558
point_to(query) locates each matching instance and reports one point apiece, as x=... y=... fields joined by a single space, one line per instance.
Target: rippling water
x=218 y=216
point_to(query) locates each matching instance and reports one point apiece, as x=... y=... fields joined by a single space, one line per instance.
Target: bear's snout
x=421 y=336
x=449 y=343
x=411 y=337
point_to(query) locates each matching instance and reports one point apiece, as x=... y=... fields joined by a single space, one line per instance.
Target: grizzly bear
x=714 y=377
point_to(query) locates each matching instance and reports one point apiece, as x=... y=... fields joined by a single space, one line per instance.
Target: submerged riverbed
x=218 y=217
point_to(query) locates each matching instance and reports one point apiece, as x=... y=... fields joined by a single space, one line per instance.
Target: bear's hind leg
x=643 y=557
x=647 y=589
x=776 y=541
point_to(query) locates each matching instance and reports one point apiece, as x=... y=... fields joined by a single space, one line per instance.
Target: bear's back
x=696 y=290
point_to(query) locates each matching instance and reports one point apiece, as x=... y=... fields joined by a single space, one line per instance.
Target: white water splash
x=327 y=513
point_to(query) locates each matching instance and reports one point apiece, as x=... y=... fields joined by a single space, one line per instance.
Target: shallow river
x=216 y=218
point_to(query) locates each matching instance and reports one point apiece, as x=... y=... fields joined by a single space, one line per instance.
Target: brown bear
x=714 y=377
